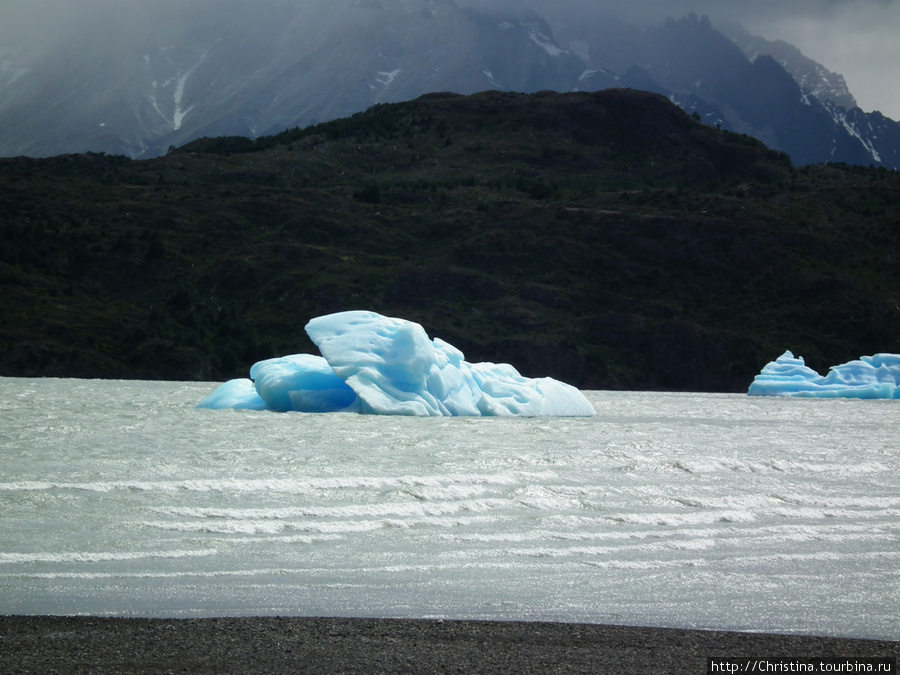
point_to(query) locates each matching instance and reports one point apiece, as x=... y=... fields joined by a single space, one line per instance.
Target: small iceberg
x=870 y=377
x=379 y=365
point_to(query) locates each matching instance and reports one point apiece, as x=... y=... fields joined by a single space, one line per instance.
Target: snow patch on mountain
x=180 y=112
x=167 y=96
x=545 y=43
x=490 y=78
x=822 y=83
x=386 y=78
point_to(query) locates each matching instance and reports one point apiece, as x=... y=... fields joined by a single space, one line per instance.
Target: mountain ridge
x=223 y=68
x=811 y=76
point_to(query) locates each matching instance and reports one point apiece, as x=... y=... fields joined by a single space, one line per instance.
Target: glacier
x=373 y=364
x=869 y=377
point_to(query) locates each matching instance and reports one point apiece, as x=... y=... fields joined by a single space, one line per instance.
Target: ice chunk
x=381 y=365
x=302 y=383
x=875 y=376
x=393 y=366
x=238 y=394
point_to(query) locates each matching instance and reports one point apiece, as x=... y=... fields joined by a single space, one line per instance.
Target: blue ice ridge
x=870 y=377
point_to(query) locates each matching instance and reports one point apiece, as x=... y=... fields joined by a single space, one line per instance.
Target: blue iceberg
x=380 y=365
x=869 y=377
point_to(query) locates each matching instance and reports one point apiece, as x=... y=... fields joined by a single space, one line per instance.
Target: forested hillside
x=607 y=239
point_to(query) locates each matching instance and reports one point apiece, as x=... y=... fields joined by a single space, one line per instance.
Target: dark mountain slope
x=759 y=98
x=606 y=239
x=811 y=76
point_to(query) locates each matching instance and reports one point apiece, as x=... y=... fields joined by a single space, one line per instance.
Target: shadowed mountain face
x=811 y=76
x=138 y=78
x=607 y=239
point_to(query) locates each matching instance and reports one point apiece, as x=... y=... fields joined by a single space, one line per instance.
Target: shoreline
x=83 y=644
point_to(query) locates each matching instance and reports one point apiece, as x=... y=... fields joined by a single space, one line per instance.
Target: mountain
x=813 y=78
x=139 y=78
x=222 y=67
x=766 y=90
x=607 y=239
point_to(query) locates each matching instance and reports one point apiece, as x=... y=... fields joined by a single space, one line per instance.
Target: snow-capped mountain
x=123 y=81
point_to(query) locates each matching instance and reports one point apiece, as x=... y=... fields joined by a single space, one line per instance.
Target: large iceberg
x=875 y=376
x=385 y=366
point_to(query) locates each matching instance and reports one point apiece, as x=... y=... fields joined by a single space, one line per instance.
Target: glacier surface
x=380 y=365
x=869 y=377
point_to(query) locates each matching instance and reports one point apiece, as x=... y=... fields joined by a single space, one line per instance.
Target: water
x=684 y=510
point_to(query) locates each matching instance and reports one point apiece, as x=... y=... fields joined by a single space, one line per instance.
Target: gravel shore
x=51 y=644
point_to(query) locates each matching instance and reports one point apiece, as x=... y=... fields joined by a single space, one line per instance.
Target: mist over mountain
x=137 y=78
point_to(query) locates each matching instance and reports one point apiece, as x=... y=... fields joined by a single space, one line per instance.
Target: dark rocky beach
x=52 y=644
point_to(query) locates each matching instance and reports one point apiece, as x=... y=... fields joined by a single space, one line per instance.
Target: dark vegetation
x=607 y=239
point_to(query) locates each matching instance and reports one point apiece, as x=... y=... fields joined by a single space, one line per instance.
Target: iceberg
x=869 y=377
x=378 y=365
